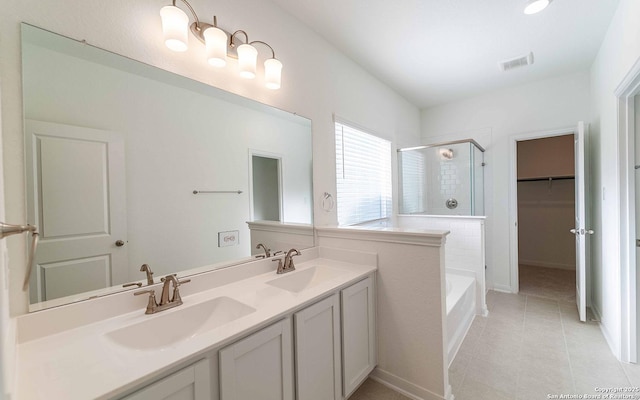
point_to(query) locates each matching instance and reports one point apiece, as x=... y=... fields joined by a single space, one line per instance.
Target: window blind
x=363 y=175
x=412 y=185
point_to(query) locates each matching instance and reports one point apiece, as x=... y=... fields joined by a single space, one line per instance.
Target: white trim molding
x=407 y=388
x=513 y=197
x=281 y=227
x=625 y=93
x=433 y=238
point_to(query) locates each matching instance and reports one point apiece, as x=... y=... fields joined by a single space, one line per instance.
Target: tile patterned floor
x=372 y=390
x=551 y=283
x=527 y=349
x=530 y=348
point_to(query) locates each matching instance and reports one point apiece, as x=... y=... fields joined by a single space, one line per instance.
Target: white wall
x=546 y=213
x=7 y=341
x=491 y=119
x=318 y=81
x=619 y=51
x=410 y=307
x=176 y=140
x=464 y=248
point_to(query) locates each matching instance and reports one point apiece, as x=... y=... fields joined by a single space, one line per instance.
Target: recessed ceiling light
x=535 y=6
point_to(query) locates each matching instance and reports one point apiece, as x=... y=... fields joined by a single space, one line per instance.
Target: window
x=412 y=182
x=363 y=175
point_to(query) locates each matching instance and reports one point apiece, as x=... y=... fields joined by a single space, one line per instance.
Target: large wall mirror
x=115 y=150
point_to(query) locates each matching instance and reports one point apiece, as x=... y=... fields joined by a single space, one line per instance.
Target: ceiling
x=438 y=51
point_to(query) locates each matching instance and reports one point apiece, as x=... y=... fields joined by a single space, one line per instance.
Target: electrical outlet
x=228 y=238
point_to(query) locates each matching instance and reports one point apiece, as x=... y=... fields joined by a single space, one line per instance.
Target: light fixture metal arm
x=273 y=53
x=193 y=12
x=234 y=35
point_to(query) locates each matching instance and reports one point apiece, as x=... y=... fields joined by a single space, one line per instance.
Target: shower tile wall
x=430 y=176
x=464 y=248
x=450 y=178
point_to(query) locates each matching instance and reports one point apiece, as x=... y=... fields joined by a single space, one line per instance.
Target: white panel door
x=637 y=195
x=259 y=366
x=358 y=334
x=76 y=197
x=318 y=358
x=581 y=231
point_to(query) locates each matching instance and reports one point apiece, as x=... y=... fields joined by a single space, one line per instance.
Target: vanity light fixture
x=535 y=6
x=219 y=43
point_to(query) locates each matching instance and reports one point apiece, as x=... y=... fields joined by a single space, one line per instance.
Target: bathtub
x=461 y=309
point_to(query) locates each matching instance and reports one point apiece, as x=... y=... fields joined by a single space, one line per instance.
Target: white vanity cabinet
x=358 y=334
x=259 y=366
x=190 y=383
x=318 y=355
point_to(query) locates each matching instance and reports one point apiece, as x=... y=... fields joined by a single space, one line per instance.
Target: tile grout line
x=473 y=355
x=566 y=349
x=524 y=325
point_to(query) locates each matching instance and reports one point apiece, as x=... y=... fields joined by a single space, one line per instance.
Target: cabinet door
x=191 y=383
x=358 y=334
x=317 y=338
x=259 y=366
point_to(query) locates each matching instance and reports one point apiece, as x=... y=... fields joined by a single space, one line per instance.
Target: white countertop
x=83 y=363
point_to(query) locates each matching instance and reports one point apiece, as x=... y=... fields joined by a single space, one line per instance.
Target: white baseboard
x=502 y=288
x=546 y=264
x=407 y=388
x=613 y=345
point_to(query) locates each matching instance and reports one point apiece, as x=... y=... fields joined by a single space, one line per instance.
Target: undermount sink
x=180 y=324
x=298 y=281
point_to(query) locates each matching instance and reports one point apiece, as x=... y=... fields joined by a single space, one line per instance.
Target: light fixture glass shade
x=535 y=6
x=216 y=42
x=247 y=58
x=272 y=73
x=175 y=27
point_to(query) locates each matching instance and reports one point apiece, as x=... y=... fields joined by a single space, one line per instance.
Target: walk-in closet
x=546 y=212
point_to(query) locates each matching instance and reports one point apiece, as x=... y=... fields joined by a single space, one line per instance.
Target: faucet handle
x=151 y=304
x=176 y=298
x=280 y=266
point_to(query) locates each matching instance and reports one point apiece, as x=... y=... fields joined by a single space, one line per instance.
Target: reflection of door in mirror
x=265 y=185
x=76 y=196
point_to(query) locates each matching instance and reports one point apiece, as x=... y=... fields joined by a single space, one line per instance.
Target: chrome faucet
x=287 y=266
x=267 y=252
x=165 y=302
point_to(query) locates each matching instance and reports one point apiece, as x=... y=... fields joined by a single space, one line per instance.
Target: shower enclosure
x=442 y=179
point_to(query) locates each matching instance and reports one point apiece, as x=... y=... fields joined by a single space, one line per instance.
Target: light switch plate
x=228 y=238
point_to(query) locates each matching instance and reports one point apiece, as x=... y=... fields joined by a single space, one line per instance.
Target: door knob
x=119 y=243
x=574 y=231
x=590 y=231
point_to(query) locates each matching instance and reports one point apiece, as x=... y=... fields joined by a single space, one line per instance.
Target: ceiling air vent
x=517 y=62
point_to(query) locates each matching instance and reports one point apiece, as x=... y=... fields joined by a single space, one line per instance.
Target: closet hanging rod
x=558 y=178
x=217 y=191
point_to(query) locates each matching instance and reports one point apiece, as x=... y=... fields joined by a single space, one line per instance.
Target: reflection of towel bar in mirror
x=10 y=229
x=217 y=191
